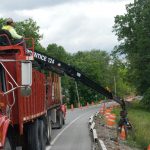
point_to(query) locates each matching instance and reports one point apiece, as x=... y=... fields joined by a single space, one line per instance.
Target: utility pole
x=77 y=92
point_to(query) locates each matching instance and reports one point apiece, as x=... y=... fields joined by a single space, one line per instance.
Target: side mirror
x=26 y=73
x=26 y=91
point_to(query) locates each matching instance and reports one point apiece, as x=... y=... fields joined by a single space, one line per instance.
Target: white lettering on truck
x=51 y=61
x=39 y=56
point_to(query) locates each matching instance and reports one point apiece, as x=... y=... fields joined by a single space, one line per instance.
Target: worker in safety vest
x=10 y=27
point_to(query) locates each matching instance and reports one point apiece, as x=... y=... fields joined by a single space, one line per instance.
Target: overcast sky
x=74 y=24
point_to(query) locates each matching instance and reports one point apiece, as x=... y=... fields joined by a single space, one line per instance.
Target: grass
x=140 y=119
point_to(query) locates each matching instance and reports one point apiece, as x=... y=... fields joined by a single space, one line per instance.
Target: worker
x=10 y=27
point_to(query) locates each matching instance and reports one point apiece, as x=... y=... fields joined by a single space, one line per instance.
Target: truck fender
x=4 y=124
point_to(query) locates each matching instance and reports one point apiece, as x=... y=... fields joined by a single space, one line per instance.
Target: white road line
x=54 y=140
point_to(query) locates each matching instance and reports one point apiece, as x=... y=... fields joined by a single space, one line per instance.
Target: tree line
x=133 y=31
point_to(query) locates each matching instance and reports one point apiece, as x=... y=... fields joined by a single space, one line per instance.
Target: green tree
x=29 y=29
x=119 y=77
x=95 y=65
x=2 y=22
x=58 y=52
x=133 y=31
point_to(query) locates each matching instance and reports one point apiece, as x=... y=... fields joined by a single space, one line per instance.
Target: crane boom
x=52 y=63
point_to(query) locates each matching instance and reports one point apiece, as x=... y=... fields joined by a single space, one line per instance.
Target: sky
x=77 y=25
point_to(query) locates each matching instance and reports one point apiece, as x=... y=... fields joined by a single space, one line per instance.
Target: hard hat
x=9 y=20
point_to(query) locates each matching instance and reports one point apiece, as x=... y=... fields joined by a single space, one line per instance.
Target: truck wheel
x=42 y=135
x=7 y=145
x=64 y=120
x=60 y=119
x=32 y=138
x=49 y=130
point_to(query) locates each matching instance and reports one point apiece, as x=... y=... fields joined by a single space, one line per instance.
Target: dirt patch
x=109 y=135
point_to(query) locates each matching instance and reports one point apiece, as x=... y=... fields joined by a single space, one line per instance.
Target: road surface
x=75 y=134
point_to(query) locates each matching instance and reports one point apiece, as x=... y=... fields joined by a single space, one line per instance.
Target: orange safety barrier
x=110 y=123
x=102 y=110
x=110 y=120
x=112 y=116
x=107 y=114
x=122 y=134
x=107 y=110
x=148 y=147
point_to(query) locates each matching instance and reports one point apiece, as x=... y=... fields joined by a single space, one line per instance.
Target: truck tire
x=60 y=119
x=42 y=135
x=64 y=120
x=36 y=136
x=49 y=130
x=7 y=145
x=32 y=138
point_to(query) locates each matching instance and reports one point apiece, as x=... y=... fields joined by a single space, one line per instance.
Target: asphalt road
x=75 y=134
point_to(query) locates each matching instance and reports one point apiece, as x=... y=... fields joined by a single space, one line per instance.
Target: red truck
x=30 y=101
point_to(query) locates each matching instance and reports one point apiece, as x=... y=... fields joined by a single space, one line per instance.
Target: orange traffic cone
x=148 y=147
x=72 y=107
x=123 y=134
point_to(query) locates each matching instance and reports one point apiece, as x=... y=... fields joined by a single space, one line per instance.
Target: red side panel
x=53 y=90
x=49 y=90
x=34 y=105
